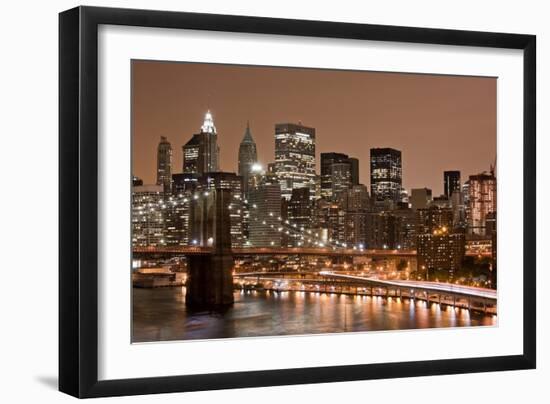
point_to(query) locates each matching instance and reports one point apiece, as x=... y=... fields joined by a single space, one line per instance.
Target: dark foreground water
x=160 y=315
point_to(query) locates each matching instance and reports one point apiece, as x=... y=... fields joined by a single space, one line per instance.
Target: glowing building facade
x=201 y=152
x=294 y=157
x=385 y=174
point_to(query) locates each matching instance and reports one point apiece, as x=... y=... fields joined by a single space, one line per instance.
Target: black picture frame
x=78 y=201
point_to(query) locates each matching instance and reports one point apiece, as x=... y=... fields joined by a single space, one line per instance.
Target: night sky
x=438 y=122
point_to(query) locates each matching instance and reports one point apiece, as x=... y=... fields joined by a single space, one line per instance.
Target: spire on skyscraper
x=247 y=134
x=208 y=124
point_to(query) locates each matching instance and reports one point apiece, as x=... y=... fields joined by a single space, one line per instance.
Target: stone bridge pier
x=210 y=277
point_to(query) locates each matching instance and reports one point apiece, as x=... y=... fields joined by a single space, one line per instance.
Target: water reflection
x=161 y=315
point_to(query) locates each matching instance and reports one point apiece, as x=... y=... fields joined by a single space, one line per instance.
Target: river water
x=160 y=315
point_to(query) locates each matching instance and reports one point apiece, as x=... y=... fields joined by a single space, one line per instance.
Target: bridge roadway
x=448 y=289
x=246 y=251
x=430 y=287
x=191 y=250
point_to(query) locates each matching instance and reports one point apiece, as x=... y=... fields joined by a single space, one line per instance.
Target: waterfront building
x=201 y=152
x=451 y=183
x=386 y=174
x=164 y=164
x=482 y=200
x=248 y=157
x=440 y=250
x=294 y=157
x=420 y=198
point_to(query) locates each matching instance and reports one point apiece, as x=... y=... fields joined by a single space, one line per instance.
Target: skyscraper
x=300 y=215
x=340 y=179
x=327 y=160
x=164 y=164
x=248 y=156
x=482 y=200
x=385 y=174
x=201 y=152
x=265 y=210
x=147 y=215
x=354 y=162
x=339 y=172
x=451 y=182
x=294 y=157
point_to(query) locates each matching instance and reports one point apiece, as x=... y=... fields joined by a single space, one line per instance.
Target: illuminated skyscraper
x=248 y=156
x=482 y=200
x=385 y=174
x=201 y=152
x=294 y=157
x=164 y=164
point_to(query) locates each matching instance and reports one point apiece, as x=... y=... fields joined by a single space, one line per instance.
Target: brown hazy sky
x=438 y=122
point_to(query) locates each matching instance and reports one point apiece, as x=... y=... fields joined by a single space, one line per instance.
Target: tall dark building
x=354 y=162
x=294 y=157
x=300 y=211
x=451 y=182
x=327 y=160
x=385 y=174
x=265 y=210
x=248 y=156
x=201 y=152
x=164 y=164
x=340 y=179
x=339 y=172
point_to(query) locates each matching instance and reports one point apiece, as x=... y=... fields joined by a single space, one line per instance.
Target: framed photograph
x=251 y=201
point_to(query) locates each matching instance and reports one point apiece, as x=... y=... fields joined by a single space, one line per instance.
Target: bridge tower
x=210 y=277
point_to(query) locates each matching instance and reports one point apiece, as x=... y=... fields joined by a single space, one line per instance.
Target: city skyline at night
x=457 y=115
x=284 y=188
